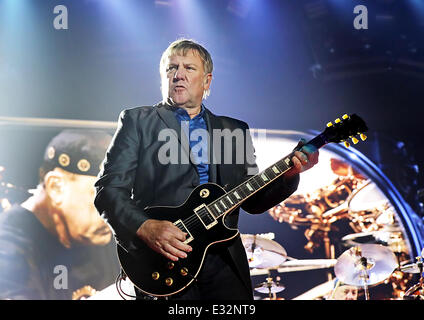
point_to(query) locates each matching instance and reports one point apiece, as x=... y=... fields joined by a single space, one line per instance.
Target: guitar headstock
x=345 y=128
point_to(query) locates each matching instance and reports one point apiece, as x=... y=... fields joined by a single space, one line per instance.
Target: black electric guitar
x=202 y=216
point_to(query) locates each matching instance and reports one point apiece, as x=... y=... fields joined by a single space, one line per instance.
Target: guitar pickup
x=182 y=227
x=205 y=216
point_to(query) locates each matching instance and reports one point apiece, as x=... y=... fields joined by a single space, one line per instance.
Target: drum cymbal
x=375 y=260
x=262 y=252
x=382 y=233
x=366 y=198
x=390 y=236
x=269 y=287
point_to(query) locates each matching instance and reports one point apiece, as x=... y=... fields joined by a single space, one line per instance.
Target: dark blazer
x=132 y=176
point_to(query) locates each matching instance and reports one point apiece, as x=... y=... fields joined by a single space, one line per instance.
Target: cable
x=118 y=286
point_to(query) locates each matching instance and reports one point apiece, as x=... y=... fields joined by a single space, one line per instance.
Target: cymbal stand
x=364 y=276
x=269 y=284
x=420 y=267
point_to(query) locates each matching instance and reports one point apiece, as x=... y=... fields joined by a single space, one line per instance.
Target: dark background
x=277 y=65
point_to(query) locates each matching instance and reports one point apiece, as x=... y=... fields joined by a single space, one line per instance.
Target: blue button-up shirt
x=196 y=131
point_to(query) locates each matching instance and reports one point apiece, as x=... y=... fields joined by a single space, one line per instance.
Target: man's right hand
x=165 y=238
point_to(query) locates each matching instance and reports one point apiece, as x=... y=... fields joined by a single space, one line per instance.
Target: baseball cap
x=77 y=151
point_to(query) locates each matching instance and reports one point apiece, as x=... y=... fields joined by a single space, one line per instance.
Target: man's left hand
x=304 y=159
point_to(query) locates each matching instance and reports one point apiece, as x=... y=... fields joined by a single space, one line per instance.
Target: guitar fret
x=259 y=181
x=249 y=187
x=223 y=204
x=287 y=162
x=237 y=195
x=228 y=198
x=281 y=165
x=241 y=191
x=245 y=190
x=218 y=209
x=264 y=177
x=255 y=182
x=227 y=201
x=271 y=175
x=275 y=169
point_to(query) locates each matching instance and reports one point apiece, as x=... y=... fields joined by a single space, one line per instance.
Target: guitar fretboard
x=236 y=196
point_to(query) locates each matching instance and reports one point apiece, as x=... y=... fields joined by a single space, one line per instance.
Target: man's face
x=185 y=79
x=346 y=293
x=82 y=220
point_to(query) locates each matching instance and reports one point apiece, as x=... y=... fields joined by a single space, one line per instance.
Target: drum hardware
x=400 y=282
x=305 y=265
x=414 y=267
x=365 y=265
x=416 y=292
x=370 y=216
x=297 y=265
x=270 y=287
x=318 y=211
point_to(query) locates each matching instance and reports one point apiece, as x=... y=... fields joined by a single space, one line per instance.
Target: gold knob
x=329 y=124
x=347 y=144
x=170 y=265
x=354 y=140
x=345 y=116
x=155 y=275
x=169 y=281
x=184 y=271
x=363 y=137
x=337 y=120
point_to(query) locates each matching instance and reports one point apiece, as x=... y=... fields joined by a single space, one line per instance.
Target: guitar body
x=156 y=275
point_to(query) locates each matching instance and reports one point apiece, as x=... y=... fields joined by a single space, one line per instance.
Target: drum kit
x=377 y=251
x=362 y=266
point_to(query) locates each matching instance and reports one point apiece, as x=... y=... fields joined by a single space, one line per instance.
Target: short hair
x=182 y=46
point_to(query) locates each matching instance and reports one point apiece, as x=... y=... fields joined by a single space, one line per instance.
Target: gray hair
x=182 y=46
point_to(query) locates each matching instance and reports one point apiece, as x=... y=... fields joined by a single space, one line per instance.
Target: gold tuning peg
x=347 y=144
x=337 y=120
x=354 y=140
x=363 y=137
x=329 y=124
x=345 y=116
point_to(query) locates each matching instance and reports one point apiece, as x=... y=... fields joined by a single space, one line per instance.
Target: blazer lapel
x=167 y=115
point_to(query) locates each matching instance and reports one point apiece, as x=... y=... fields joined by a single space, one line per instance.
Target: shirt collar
x=182 y=113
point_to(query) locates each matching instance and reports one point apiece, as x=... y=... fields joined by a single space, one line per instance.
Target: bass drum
x=344 y=195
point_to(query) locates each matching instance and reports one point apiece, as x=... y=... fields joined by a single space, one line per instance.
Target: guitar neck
x=235 y=197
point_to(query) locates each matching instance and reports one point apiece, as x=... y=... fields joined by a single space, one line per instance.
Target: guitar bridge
x=205 y=216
